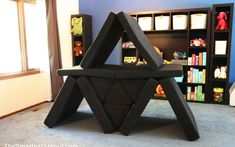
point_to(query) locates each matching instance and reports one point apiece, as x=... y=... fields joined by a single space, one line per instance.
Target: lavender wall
x=99 y=9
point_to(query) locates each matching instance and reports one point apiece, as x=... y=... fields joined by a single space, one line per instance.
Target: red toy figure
x=78 y=48
x=222 y=21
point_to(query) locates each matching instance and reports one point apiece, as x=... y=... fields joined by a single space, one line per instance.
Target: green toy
x=76 y=26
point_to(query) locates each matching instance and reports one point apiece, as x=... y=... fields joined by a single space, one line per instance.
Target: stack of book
x=195 y=95
x=196 y=76
x=199 y=59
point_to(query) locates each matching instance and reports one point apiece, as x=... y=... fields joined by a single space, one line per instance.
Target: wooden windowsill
x=19 y=74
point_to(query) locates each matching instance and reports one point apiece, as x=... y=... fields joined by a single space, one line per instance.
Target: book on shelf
x=189 y=89
x=204 y=58
x=196 y=76
x=190 y=76
x=193 y=59
x=203 y=76
x=196 y=94
x=189 y=60
x=200 y=77
x=199 y=59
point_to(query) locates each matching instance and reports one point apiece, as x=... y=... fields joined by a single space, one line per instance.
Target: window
x=22 y=27
x=10 y=55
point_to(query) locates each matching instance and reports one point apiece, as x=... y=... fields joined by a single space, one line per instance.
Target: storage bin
x=145 y=23
x=162 y=22
x=198 y=21
x=180 y=22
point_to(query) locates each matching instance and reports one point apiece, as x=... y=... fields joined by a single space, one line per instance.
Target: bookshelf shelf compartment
x=217 y=60
x=85 y=38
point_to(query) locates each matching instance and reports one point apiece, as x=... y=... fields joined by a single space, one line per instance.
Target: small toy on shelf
x=129 y=60
x=220 y=73
x=128 y=44
x=182 y=62
x=218 y=94
x=159 y=92
x=223 y=72
x=158 y=51
x=222 y=21
x=139 y=62
x=167 y=62
x=78 y=49
x=217 y=72
x=199 y=42
x=77 y=26
x=179 y=55
x=159 y=89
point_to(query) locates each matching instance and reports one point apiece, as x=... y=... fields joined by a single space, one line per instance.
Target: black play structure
x=116 y=94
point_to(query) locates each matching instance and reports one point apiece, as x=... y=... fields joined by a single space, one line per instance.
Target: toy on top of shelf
x=198 y=42
x=220 y=73
x=77 y=25
x=222 y=21
x=179 y=55
x=218 y=94
x=78 y=49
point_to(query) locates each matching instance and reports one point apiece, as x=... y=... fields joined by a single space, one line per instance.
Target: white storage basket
x=180 y=22
x=198 y=21
x=162 y=22
x=145 y=23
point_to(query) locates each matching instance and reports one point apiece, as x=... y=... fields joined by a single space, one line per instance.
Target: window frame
x=25 y=71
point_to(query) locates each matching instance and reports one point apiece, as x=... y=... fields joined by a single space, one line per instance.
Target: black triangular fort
x=118 y=95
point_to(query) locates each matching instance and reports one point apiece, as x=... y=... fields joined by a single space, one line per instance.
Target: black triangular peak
x=102 y=47
x=110 y=33
x=140 y=41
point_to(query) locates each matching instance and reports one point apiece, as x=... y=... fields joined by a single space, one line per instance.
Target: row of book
x=196 y=76
x=199 y=59
x=195 y=94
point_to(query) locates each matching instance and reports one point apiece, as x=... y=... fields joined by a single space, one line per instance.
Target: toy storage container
x=198 y=21
x=162 y=22
x=180 y=22
x=145 y=23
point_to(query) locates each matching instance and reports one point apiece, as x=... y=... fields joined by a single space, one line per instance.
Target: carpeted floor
x=157 y=127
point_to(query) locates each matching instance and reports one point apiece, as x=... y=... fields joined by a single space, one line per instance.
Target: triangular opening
x=109 y=35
